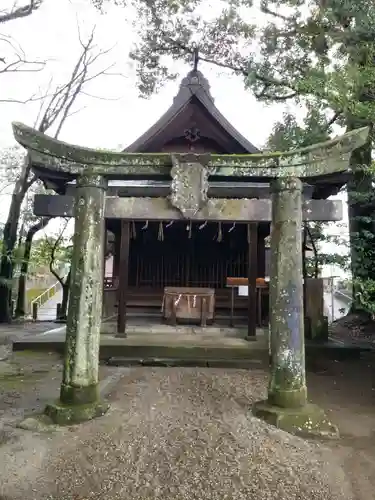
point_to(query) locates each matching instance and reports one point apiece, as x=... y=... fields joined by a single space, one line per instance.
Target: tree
x=290 y=134
x=59 y=251
x=18 y=11
x=12 y=56
x=313 y=52
x=56 y=108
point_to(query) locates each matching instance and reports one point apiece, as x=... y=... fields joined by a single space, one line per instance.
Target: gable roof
x=193 y=87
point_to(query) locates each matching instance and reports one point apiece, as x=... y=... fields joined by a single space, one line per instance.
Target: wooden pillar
x=123 y=277
x=252 y=270
x=116 y=256
x=105 y=246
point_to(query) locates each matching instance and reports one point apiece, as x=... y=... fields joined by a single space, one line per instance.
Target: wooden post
x=116 y=257
x=123 y=277
x=35 y=311
x=58 y=311
x=252 y=232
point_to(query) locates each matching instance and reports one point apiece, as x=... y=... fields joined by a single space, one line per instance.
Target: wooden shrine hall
x=186 y=269
x=196 y=256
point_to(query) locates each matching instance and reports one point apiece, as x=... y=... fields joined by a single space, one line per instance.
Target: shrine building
x=154 y=260
x=197 y=255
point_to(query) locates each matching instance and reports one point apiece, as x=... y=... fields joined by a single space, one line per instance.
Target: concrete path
x=48 y=310
x=340 y=307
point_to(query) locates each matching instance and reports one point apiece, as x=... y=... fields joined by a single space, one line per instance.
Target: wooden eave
x=194 y=87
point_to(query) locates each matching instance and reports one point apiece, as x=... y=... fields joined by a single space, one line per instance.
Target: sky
x=113 y=115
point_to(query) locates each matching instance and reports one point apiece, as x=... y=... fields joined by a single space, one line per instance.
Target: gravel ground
x=176 y=434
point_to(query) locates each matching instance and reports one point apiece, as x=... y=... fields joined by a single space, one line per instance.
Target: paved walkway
x=48 y=310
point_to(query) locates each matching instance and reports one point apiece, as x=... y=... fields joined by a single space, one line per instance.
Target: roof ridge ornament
x=195 y=58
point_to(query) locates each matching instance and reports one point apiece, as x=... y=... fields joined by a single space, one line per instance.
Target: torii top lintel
x=51 y=156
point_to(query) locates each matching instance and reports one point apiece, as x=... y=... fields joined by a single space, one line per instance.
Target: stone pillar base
x=72 y=395
x=294 y=398
x=306 y=421
x=63 y=414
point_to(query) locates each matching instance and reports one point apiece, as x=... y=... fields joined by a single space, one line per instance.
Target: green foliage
x=289 y=134
x=41 y=255
x=298 y=49
x=319 y=54
x=42 y=249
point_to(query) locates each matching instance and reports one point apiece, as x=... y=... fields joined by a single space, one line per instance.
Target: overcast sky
x=117 y=116
x=51 y=34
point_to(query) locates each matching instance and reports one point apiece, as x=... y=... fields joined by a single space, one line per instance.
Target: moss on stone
x=71 y=395
x=319 y=329
x=288 y=398
x=306 y=421
x=63 y=414
x=318 y=159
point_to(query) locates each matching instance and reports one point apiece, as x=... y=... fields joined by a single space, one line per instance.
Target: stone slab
x=227 y=210
x=306 y=421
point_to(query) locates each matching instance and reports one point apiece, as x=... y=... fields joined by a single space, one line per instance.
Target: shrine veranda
x=286 y=205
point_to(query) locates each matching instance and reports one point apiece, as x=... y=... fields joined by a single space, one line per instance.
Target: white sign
x=243 y=291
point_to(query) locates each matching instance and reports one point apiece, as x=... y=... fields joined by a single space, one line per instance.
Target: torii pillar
x=79 y=396
x=287 y=406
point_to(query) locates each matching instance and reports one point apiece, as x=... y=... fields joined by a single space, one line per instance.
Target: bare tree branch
x=334 y=118
x=18 y=12
x=21 y=65
x=56 y=106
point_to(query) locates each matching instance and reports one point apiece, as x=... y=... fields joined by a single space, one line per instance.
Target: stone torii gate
x=53 y=160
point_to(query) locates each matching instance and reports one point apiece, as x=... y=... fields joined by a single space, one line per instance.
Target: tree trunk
x=9 y=242
x=361 y=228
x=21 y=297
x=65 y=298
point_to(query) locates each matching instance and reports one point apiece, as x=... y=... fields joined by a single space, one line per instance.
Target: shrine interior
x=182 y=254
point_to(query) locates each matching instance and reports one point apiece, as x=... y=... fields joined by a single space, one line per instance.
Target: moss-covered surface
x=288 y=381
x=33 y=293
x=288 y=398
x=86 y=293
x=319 y=329
x=79 y=395
x=38 y=423
x=307 y=421
x=63 y=414
x=318 y=159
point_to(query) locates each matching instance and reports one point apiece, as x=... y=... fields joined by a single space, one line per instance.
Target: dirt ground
x=185 y=433
x=356 y=328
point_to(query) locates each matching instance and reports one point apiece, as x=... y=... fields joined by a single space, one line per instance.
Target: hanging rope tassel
x=189 y=228
x=161 y=232
x=133 y=231
x=146 y=225
x=220 y=233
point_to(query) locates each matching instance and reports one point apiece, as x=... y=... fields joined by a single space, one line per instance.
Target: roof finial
x=195 y=58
